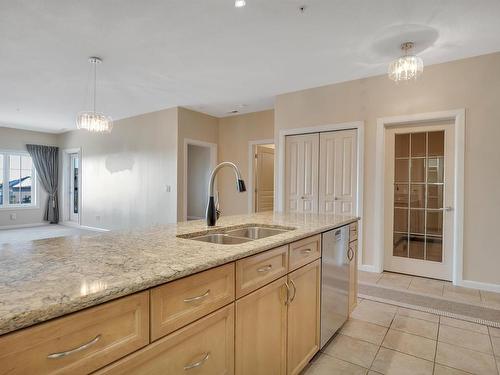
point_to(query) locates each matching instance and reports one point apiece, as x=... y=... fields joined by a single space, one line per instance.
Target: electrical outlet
x=13 y=216
x=168 y=188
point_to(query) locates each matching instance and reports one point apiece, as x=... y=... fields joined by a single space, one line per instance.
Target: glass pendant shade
x=406 y=67
x=94 y=122
x=91 y=120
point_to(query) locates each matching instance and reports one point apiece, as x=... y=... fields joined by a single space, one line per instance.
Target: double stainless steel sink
x=241 y=235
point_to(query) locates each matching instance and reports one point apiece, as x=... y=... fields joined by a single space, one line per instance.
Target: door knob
x=448 y=208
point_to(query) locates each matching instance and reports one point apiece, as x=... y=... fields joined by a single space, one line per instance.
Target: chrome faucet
x=213 y=211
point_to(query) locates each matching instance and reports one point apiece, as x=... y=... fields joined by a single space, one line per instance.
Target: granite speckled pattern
x=44 y=279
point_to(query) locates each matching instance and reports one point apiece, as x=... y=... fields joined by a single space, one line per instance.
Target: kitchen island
x=46 y=279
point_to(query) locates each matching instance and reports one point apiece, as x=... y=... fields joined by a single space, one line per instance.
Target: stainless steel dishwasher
x=334 y=282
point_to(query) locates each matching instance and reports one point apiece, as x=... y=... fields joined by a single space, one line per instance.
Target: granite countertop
x=44 y=279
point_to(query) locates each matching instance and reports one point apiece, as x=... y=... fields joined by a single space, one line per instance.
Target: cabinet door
x=338 y=172
x=303 y=316
x=301 y=173
x=260 y=345
x=353 y=275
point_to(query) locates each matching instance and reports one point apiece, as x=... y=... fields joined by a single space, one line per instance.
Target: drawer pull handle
x=197 y=298
x=350 y=254
x=75 y=350
x=265 y=268
x=306 y=251
x=199 y=363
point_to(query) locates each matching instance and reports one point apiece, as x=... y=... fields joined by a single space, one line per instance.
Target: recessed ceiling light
x=239 y=3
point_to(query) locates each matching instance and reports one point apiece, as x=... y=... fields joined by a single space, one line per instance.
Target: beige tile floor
x=385 y=339
x=432 y=287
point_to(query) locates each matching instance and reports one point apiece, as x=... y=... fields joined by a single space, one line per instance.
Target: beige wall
x=234 y=134
x=15 y=139
x=125 y=173
x=197 y=126
x=473 y=84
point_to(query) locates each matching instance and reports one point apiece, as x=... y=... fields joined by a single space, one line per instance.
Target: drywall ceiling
x=210 y=56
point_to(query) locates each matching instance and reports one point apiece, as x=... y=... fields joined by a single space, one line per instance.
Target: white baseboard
x=95 y=229
x=367 y=268
x=76 y=225
x=23 y=225
x=479 y=285
x=70 y=224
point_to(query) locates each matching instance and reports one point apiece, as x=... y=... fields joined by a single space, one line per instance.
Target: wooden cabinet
x=353 y=275
x=81 y=342
x=304 y=251
x=303 y=316
x=261 y=322
x=203 y=347
x=278 y=325
x=258 y=270
x=180 y=302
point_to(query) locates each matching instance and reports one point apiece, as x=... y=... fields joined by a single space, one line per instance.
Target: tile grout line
x=436 y=350
x=493 y=351
x=381 y=342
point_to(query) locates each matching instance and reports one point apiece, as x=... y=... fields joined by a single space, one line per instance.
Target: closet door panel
x=302 y=157
x=337 y=172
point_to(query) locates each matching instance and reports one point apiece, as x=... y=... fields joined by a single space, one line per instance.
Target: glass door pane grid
x=426 y=209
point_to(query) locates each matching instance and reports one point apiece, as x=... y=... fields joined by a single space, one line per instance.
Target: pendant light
x=92 y=120
x=406 y=67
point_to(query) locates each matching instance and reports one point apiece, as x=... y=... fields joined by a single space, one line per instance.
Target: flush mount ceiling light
x=92 y=120
x=406 y=67
x=239 y=3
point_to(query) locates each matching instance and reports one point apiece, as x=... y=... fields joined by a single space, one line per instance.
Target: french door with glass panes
x=418 y=200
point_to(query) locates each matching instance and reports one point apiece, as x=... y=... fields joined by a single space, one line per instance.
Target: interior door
x=301 y=173
x=338 y=172
x=74 y=194
x=264 y=179
x=419 y=200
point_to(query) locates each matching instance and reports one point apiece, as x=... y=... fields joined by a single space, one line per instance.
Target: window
x=17 y=180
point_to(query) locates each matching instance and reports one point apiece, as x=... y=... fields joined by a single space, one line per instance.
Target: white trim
x=458 y=115
x=279 y=194
x=480 y=285
x=35 y=189
x=251 y=159
x=23 y=225
x=95 y=229
x=213 y=163
x=65 y=155
x=72 y=224
x=367 y=267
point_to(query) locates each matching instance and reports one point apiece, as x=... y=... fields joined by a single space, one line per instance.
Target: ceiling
x=210 y=56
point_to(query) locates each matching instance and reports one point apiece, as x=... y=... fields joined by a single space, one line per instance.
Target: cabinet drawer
x=353 y=232
x=203 y=347
x=181 y=302
x=79 y=343
x=304 y=251
x=258 y=270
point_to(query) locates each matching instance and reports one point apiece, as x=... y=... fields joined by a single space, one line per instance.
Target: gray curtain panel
x=46 y=160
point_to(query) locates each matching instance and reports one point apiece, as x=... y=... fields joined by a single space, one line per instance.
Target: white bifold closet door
x=337 y=172
x=321 y=172
x=301 y=172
